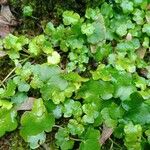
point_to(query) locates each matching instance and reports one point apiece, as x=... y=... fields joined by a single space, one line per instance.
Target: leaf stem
x=57 y=126
x=74 y=139
x=115 y=143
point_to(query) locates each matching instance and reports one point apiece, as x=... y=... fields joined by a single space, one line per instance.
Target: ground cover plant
x=82 y=81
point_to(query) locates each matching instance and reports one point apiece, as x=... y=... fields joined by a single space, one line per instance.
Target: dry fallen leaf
x=148 y=7
x=6 y=13
x=129 y=37
x=141 y=52
x=7 y=21
x=2 y=2
x=2 y=54
x=93 y=48
x=27 y=105
x=106 y=133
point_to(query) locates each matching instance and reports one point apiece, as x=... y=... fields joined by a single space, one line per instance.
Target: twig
x=8 y=75
x=2 y=84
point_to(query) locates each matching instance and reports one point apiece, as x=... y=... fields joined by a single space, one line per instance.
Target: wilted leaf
x=141 y=52
x=27 y=105
x=106 y=133
x=7 y=21
x=3 y=2
x=2 y=53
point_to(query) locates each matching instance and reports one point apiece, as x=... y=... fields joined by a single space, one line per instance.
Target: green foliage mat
x=89 y=79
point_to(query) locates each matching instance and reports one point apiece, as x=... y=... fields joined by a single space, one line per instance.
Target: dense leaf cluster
x=89 y=71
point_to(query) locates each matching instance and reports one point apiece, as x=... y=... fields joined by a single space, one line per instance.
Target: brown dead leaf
x=148 y=7
x=6 y=13
x=93 y=48
x=27 y=105
x=141 y=52
x=4 y=30
x=129 y=37
x=106 y=133
x=7 y=21
x=2 y=2
x=2 y=54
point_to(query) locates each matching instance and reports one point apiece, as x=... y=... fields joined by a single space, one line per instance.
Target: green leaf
x=107 y=10
x=91 y=112
x=106 y=90
x=147 y=132
x=10 y=89
x=36 y=140
x=92 y=13
x=102 y=73
x=139 y=2
x=75 y=43
x=87 y=29
x=33 y=48
x=54 y=58
x=127 y=6
x=47 y=47
x=44 y=72
x=99 y=33
x=19 y=98
x=69 y=17
x=8 y=121
x=92 y=133
x=72 y=107
x=36 y=82
x=23 y=87
x=138 y=16
x=58 y=82
x=57 y=112
x=27 y=11
x=145 y=94
x=12 y=42
x=133 y=135
x=137 y=110
x=5 y=104
x=63 y=140
x=146 y=29
x=146 y=42
x=111 y=114
x=75 y=128
x=91 y=140
x=58 y=97
x=122 y=30
x=123 y=89
x=103 y=52
x=36 y=121
x=23 y=72
x=36 y=45
x=49 y=29
x=148 y=16
x=90 y=144
x=74 y=77
x=89 y=91
x=140 y=82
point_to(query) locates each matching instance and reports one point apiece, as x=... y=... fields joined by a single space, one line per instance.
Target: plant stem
x=115 y=143
x=8 y=75
x=74 y=139
x=57 y=126
x=1 y=84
